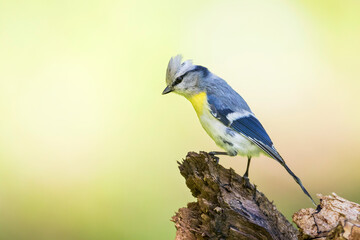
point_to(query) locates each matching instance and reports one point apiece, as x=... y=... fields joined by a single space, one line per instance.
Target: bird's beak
x=167 y=90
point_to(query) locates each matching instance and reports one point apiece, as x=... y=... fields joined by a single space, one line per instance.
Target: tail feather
x=275 y=155
x=271 y=151
x=298 y=181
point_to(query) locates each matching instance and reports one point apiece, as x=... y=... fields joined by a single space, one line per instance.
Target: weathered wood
x=336 y=218
x=227 y=207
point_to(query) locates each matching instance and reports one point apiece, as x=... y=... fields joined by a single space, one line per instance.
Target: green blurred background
x=88 y=145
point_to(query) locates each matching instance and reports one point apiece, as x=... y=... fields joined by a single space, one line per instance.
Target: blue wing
x=248 y=126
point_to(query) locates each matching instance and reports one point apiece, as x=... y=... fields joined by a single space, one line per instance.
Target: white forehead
x=176 y=68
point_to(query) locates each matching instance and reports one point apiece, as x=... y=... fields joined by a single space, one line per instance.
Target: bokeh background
x=88 y=145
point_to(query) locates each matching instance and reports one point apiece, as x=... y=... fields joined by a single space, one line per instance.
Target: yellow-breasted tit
x=223 y=113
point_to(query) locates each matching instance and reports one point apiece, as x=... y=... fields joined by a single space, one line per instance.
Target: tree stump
x=230 y=207
x=227 y=207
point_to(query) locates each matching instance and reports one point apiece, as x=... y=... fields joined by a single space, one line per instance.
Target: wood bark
x=230 y=207
x=227 y=207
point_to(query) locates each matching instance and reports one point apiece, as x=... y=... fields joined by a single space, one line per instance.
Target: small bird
x=223 y=113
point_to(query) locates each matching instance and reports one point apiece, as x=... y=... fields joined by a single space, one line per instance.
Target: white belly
x=232 y=142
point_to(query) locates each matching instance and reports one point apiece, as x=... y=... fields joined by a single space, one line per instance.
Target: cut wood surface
x=229 y=207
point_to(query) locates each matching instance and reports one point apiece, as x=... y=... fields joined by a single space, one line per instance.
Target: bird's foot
x=246 y=182
x=215 y=158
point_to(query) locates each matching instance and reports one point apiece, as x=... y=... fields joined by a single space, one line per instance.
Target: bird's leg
x=214 y=153
x=246 y=175
x=246 y=181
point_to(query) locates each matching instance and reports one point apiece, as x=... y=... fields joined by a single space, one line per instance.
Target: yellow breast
x=199 y=102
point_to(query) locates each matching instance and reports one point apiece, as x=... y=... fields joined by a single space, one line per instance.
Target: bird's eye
x=178 y=80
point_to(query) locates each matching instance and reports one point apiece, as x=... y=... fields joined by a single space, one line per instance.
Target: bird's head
x=184 y=78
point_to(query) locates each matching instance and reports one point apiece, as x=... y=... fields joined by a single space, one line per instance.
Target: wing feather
x=247 y=125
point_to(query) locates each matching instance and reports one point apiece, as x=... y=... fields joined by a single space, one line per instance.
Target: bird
x=223 y=113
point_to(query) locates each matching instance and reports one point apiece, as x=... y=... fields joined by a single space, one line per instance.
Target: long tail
x=271 y=151
x=297 y=180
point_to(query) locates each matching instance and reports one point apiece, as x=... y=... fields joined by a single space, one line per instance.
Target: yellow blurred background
x=88 y=145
